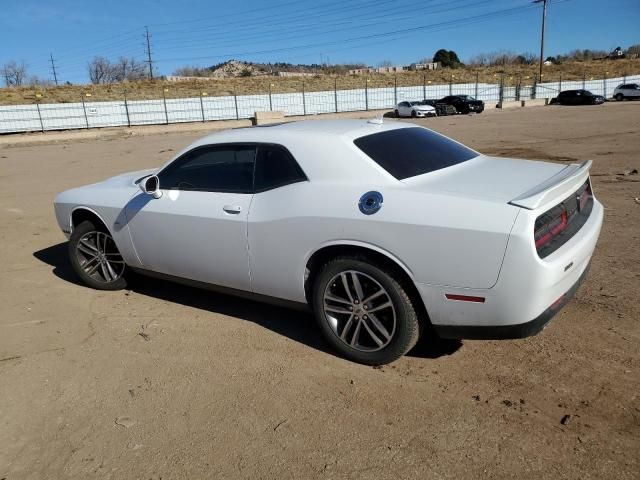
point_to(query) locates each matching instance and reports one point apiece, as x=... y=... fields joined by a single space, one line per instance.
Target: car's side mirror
x=151 y=186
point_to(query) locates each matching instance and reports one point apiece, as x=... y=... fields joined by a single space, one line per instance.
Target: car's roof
x=350 y=129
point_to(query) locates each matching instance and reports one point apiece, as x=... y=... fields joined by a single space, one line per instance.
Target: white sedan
x=414 y=109
x=382 y=229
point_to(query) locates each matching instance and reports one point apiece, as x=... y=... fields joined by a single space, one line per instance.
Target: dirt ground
x=166 y=381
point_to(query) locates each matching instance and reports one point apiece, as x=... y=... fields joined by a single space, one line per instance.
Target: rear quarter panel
x=438 y=239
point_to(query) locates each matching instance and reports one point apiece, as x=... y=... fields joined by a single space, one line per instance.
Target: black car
x=441 y=108
x=577 y=97
x=463 y=103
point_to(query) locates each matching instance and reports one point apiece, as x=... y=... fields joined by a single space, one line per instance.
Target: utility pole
x=53 y=69
x=149 y=61
x=544 y=19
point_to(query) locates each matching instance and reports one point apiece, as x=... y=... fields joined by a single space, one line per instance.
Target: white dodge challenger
x=382 y=229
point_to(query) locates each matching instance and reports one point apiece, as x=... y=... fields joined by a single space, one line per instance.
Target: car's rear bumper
x=505 y=332
x=529 y=290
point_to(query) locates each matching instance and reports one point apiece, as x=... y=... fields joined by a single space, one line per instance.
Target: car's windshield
x=469 y=98
x=407 y=152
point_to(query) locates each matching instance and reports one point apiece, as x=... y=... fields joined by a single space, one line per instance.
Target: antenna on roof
x=376 y=121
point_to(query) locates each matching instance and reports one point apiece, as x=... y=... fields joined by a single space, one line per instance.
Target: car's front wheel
x=364 y=312
x=95 y=257
x=619 y=97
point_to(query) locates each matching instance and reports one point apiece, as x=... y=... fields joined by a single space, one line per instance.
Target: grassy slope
x=252 y=85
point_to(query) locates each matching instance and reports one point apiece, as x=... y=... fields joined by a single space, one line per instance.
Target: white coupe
x=385 y=230
x=414 y=109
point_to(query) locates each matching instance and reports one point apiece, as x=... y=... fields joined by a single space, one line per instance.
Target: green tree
x=447 y=58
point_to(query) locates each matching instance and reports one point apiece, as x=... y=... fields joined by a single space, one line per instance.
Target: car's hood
x=488 y=178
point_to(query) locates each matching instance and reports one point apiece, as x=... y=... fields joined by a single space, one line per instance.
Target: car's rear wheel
x=364 y=312
x=619 y=97
x=95 y=257
x=397 y=113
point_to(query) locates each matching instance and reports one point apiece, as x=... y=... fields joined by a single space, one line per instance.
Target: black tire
x=413 y=114
x=619 y=97
x=397 y=114
x=81 y=231
x=406 y=329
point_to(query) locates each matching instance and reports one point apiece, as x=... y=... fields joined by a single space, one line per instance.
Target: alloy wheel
x=359 y=311
x=99 y=257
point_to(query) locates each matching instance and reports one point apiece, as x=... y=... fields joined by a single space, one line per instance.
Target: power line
x=402 y=32
x=307 y=32
x=53 y=69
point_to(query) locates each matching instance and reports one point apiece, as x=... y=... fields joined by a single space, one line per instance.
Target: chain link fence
x=203 y=108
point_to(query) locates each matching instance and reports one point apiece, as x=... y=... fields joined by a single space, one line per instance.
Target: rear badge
x=568 y=266
x=370 y=202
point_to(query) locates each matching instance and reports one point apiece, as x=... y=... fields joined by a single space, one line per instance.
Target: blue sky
x=204 y=32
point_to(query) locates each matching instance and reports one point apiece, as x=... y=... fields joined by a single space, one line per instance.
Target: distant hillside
x=230 y=79
x=238 y=68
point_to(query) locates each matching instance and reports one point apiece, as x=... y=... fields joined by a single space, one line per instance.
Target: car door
x=197 y=229
x=275 y=223
x=403 y=109
x=633 y=91
x=568 y=98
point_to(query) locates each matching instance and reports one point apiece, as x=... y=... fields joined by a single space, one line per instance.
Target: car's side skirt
x=225 y=290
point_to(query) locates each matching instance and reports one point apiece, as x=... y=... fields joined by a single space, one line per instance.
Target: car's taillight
x=545 y=232
x=557 y=225
x=585 y=196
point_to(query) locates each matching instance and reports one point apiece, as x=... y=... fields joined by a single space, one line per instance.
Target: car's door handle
x=232 y=209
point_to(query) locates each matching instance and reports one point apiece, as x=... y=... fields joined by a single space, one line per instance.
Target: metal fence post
x=235 y=102
x=164 y=101
x=40 y=116
x=304 y=102
x=534 y=88
x=584 y=80
x=424 y=86
x=84 y=109
x=604 y=85
x=518 y=86
x=366 y=94
x=451 y=84
x=501 y=91
x=126 y=109
x=335 y=93
x=476 y=90
x=624 y=78
x=395 y=89
x=270 y=102
x=202 y=105
x=560 y=84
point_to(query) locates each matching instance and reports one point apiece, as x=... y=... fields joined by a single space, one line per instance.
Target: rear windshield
x=407 y=152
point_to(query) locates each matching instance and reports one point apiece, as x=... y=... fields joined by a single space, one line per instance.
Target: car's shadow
x=294 y=324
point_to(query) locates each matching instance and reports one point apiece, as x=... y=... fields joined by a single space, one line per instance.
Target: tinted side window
x=211 y=169
x=275 y=167
x=407 y=152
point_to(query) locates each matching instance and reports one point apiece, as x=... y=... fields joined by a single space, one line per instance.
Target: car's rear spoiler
x=556 y=188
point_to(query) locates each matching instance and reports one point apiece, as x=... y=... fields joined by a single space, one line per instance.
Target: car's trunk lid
x=524 y=183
